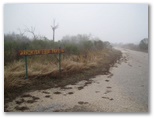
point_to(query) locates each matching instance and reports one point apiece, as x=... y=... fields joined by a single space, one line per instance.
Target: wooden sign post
x=60 y=61
x=26 y=65
x=40 y=52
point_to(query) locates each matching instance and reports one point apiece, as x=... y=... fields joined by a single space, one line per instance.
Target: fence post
x=26 y=65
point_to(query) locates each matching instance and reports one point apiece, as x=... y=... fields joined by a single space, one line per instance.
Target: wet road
x=132 y=77
x=125 y=89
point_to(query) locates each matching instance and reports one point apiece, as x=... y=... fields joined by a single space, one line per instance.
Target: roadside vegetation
x=142 y=46
x=84 y=57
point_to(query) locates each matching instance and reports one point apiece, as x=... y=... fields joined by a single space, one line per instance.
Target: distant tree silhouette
x=144 y=44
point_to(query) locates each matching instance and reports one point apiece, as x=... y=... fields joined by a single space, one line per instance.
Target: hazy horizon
x=116 y=23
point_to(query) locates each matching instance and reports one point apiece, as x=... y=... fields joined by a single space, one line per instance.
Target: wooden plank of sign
x=40 y=52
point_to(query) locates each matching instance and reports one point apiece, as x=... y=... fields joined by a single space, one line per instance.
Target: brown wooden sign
x=40 y=52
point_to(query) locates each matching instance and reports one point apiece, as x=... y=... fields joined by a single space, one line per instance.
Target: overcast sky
x=126 y=23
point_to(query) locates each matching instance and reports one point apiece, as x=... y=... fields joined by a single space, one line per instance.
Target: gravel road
x=124 y=89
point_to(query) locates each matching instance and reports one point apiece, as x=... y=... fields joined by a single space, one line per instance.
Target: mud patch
x=110 y=75
x=45 y=92
x=81 y=102
x=21 y=108
x=47 y=96
x=20 y=101
x=89 y=82
x=107 y=80
x=108 y=87
x=26 y=95
x=111 y=99
x=27 y=101
x=57 y=92
x=35 y=98
x=81 y=87
x=70 y=93
x=85 y=84
x=108 y=98
x=66 y=87
x=30 y=101
x=107 y=91
x=105 y=97
x=130 y=65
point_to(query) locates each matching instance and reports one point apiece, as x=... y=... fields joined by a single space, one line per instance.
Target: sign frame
x=39 y=52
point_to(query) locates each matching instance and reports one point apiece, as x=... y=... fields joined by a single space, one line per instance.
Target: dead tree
x=54 y=27
x=31 y=30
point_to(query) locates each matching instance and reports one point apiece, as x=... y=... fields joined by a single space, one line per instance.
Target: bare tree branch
x=54 y=27
x=21 y=32
x=31 y=30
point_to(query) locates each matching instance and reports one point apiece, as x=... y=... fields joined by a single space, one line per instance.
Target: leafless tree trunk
x=54 y=27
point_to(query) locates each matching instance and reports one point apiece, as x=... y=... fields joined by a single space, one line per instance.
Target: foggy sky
x=126 y=23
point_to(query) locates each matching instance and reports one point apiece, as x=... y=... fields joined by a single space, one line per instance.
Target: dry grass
x=14 y=75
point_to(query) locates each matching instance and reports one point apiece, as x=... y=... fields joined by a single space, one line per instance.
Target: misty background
x=116 y=23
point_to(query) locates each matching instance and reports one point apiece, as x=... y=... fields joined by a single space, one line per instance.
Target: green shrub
x=79 y=44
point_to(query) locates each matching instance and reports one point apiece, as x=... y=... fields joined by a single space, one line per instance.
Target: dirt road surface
x=125 y=89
